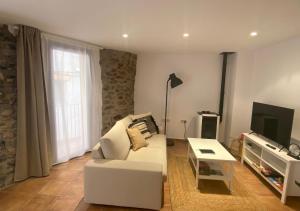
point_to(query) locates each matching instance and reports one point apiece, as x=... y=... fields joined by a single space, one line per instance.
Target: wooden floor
x=63 y=189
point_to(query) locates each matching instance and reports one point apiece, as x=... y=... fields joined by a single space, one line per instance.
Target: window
x=73 y=86
x=70 y=102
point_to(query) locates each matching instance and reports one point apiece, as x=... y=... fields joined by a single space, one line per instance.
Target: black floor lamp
x=174 y=83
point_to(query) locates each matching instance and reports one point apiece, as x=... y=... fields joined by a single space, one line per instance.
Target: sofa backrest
x=126 y=121
x=115 y=144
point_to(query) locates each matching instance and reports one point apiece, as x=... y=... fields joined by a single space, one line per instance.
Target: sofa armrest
x=123 y=183
x=97 y=152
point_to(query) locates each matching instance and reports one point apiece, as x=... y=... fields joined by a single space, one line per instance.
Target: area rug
x=211 y=195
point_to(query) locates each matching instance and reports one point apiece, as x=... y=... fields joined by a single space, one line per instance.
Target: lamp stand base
x=170 y=142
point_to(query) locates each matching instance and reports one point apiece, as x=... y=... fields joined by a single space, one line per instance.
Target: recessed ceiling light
x=185 y=35
x=253 y=34
x=125 y=35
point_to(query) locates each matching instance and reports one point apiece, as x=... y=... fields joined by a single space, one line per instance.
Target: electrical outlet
x=183 y=121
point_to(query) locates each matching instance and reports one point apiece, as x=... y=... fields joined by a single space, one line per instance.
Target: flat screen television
x=273 y=122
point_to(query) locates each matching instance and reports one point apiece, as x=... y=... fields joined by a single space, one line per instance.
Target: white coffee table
x=221 y=161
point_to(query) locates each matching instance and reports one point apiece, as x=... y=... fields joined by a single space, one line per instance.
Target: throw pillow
x=136 y=138
x=115 y=144
x=149 y=120
x=141 y=125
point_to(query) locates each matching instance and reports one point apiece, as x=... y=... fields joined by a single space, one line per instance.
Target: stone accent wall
x=8 y=113
x=118 y=70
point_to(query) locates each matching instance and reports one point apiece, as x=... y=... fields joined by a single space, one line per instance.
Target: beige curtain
x=33 y=138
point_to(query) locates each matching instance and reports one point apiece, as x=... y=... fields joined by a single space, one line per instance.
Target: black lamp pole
x=166 y=106
x=174 y=83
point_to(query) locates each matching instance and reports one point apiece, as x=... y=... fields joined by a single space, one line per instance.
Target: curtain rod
x=14 y=28
x=47 y=34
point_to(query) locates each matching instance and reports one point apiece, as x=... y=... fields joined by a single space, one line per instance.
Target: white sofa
x=129 y=178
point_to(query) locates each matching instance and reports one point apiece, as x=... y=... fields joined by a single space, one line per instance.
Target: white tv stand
x=258 y=155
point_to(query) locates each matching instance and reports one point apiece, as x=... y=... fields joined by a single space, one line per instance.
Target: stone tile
x=118 y=71
x=8 y=97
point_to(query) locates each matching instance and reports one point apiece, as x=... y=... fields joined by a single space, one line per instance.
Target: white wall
x=201 y=75
x=225 y=125
x=269 y=75
x=242 y=95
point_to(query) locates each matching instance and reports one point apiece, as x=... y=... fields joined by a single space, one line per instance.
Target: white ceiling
x=158 y=25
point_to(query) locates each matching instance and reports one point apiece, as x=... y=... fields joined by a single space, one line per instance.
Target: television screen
x=273 y=122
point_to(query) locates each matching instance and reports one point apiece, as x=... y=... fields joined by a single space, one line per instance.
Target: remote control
x=272 y=147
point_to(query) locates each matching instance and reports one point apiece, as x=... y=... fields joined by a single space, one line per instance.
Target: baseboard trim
x=177 y=139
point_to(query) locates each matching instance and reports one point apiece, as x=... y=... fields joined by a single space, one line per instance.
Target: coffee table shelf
x=220 y=162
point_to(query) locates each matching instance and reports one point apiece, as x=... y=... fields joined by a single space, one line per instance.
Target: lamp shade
x=174 y=80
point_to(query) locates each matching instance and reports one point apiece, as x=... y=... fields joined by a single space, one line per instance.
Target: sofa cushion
x=115 y=144
x=151 y=155
x=157 y=141
x=137 y=139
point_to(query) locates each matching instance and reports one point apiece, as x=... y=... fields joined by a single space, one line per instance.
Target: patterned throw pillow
x=141 y=125
x=150 y=122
